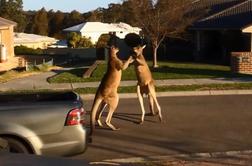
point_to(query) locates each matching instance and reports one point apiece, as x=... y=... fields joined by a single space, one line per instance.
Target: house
x=225 y=29
x=94 y=30
x=33 y=41
x=6 y=39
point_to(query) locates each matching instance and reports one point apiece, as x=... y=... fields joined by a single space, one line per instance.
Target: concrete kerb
x=180 y=93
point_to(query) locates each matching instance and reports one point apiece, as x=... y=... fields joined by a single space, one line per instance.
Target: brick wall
x=241 y=62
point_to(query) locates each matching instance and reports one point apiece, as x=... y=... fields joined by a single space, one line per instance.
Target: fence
x=82 y=53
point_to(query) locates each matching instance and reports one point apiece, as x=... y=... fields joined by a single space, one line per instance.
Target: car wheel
x=4 y=146
x=16 y=146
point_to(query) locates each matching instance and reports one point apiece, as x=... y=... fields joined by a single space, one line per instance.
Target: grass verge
x=12 y=74
x=132 y=89
x=167 y=70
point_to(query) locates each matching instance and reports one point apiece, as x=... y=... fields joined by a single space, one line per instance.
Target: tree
x=56 y=24
x=40 y=23
x=72 y=39
x=85 y=42
x=96 y=15
x=13 y=10
x=75 y=40
x=161 y=18
x=113 y=13
x=127 y=15
x=75 y=17
x=103 y=41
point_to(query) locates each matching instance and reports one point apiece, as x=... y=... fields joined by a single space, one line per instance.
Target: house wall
x=93 y=35
x=7 y=39
x=216 y=45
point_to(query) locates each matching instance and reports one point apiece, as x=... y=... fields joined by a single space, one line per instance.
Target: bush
x=103 y=41
x=85 y=43
x=23 y=50
x=74 y=40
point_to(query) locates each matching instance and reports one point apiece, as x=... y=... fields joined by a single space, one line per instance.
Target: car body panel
x=41 y=123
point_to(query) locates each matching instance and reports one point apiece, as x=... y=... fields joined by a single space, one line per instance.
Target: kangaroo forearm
x=126 y=64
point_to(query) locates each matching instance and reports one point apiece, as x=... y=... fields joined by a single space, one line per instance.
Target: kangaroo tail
x=93 y=113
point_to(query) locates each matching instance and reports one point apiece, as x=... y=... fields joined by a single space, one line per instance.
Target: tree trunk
x=155 y=48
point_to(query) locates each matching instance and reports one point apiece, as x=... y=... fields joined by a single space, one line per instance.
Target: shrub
x=74 y=40
x=23 y=50
x=85 y=43
x=103 y=41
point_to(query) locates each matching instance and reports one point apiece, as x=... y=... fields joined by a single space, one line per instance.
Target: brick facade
x=241 y=62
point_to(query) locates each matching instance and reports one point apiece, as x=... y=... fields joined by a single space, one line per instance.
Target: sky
x=67 y=5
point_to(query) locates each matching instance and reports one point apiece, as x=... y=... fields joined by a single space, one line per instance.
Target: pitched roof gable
x=5 y=22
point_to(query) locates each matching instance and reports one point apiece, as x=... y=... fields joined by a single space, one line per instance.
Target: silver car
x=43 y=123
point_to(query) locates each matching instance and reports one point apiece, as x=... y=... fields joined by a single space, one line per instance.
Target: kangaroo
x=145 y=83
x=106 y=94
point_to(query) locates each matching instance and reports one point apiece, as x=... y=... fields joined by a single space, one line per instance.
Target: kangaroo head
x=138 y=50
x=114 y=50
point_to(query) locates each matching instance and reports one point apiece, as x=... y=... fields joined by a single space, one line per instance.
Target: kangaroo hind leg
x=140 y=98
x=151 y=104
x=101 y=110
x=152 y=92
x=112 y=107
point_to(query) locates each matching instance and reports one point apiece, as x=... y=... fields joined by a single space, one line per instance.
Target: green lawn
x=132 y=89
x=12 y=74
x=166 y=70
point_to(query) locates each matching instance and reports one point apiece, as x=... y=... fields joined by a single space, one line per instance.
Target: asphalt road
x=191 y=124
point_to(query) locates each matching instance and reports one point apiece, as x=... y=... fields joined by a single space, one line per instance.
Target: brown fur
x=145 y=83
x=106 y=94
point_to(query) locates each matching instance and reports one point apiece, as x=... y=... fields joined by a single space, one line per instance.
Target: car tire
x=4 y=146
x=16 y=146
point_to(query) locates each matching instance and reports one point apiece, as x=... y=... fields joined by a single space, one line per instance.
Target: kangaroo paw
x=112 y=127
x=141 y=122
x=99 y=123
x=160 y=118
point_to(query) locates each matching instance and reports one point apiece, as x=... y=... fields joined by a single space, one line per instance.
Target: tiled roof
x=5 y=22
x=236 y=16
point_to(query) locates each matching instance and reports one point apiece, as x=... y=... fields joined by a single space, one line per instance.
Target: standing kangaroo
x=145 y=83
x=106 y=94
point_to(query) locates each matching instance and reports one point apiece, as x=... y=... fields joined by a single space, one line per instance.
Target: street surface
x=191 y=125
